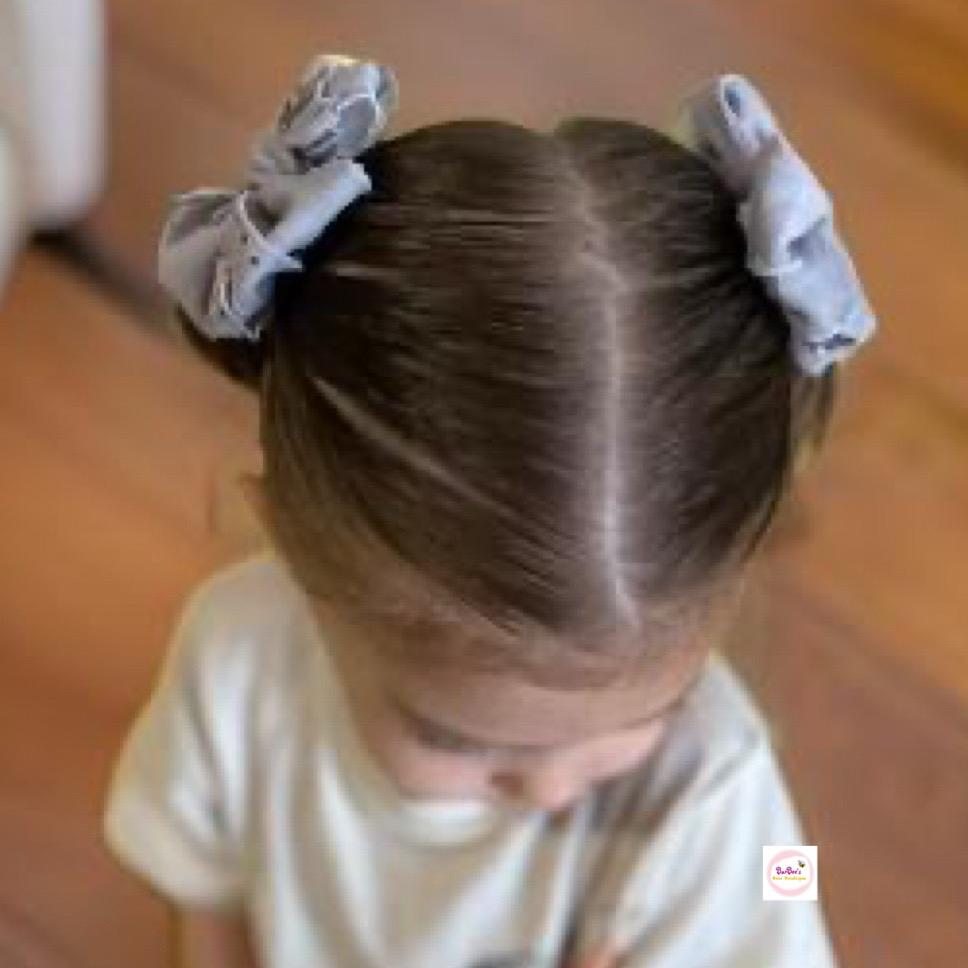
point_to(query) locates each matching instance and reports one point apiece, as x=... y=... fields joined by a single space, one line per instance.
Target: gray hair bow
x=220 y=250
x=787 y=217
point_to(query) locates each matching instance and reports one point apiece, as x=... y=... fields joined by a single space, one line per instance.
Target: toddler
x=529 y=403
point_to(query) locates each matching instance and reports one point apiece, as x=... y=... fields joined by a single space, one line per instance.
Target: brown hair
x=525 y=402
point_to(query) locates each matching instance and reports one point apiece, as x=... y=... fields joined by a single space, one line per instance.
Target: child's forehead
x=508 y=710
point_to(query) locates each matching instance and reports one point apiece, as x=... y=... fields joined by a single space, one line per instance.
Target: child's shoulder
x=242 y=624
x=722 y=732
x=718 y=738
x=677 y=846
x=263 y=569
x=724 y=715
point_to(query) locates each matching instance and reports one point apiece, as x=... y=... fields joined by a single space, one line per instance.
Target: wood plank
x=111 y=439
x=909 y=57
x=887 y=523
x=161 y=423
x=877 y=757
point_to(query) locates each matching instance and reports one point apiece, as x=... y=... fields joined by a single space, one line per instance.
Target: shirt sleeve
x=167 y=815
x=688 y=893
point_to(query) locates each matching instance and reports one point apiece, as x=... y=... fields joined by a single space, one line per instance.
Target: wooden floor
x=118 y=446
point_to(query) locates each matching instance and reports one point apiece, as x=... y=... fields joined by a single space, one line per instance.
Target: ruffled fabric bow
x=787 y=216
x=220 y=250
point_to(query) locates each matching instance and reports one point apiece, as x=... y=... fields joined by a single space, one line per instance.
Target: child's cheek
x=442 y=774
x=445 y=777
x=600 y=959
x=613 y=756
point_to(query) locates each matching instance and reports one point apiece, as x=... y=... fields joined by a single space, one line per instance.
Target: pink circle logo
x=790 y=872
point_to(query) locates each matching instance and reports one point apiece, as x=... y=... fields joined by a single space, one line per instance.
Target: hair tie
x=787 y=216
x=220 y=250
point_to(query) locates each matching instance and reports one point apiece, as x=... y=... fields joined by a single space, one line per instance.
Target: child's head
x=526 y=416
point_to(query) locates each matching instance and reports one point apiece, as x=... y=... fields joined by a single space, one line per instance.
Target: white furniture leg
x=11 y=215
x=52 y=97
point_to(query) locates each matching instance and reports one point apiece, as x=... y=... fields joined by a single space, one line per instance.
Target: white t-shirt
x=244 y=784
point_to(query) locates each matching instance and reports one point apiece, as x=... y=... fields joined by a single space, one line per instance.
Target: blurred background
x=119 y=449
